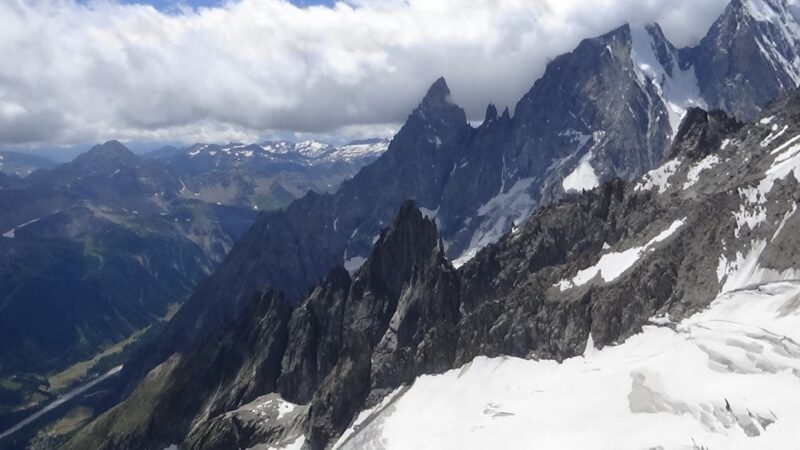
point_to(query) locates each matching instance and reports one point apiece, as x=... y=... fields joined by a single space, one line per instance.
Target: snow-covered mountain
x=722 y=378
x=270 y=175
x=630 y=294
x=305 y=152
x=761 y=39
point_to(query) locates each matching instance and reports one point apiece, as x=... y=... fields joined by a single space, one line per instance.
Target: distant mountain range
x=101 y=248
x=22 y=164
x=266 y=176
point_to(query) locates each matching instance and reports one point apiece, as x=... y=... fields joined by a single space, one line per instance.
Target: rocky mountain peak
x=758 y=8
x=403 y=247
x=491 y=113
x=662 y=48
x=702 y=132
x=109 y=155
x=750 y=55
x=438 y=106
x=438 y=92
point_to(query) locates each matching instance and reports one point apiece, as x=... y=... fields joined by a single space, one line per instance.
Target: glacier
x=727 y=377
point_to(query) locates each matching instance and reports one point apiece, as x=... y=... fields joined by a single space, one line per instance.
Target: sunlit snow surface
x=583 y=178
x=658 y=178
x=613 y=264
x=678 y=89
x=726 y=378
x=506 y=209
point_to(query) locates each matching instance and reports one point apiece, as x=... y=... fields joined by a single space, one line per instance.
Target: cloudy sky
x=83 y=71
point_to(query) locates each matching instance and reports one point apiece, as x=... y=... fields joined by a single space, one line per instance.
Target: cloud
x=75 y=72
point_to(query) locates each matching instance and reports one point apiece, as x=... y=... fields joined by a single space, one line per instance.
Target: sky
x=152 y=71
x=170 y=5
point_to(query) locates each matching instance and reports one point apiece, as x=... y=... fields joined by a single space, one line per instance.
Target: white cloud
x=81 y=72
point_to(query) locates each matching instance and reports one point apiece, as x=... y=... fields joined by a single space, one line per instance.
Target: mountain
x=94 y=252
x=267 y=176
x=98 y=249
x=609 y=109
x=162 y=153
x=761 y=61
x=712 y=226
x=23 y=164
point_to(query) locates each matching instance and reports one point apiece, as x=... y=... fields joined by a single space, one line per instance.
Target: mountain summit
x=750 y=55
x=105 y=157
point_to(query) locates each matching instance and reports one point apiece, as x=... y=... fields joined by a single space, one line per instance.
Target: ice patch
x=612 y=265
x=658 y=178
x=693 y=176
x=749 y=217
x=498 y=215
x=660 y=321
x=583 y=178
x=466 y=257
x=576 y=136
x=351 y=152
x=744 y=269
x=774 y=135
x=266 y=408
x=436 y=141
x=787 y=161
x=354 y=263
x=429 y=213
x=785 y=145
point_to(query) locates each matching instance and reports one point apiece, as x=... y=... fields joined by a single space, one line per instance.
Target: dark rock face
x=225 y=372
x=259 y=421
x=702 y=132
x=394 y=327
x=316 y=338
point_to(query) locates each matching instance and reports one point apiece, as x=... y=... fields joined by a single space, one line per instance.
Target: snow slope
x=728 y=377
x=613 y=264
x=676 y=87
x=312 y=152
